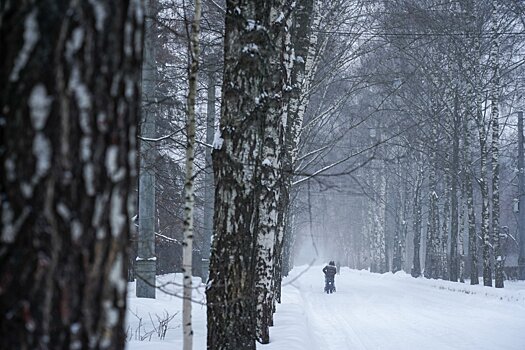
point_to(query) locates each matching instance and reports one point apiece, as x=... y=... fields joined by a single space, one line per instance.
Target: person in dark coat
x=329 y=275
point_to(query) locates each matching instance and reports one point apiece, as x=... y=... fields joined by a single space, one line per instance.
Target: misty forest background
x=380 y=134
x=398 y=134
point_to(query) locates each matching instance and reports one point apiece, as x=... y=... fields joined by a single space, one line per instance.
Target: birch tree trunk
x=209 y=185
x=248 y=96
x=484 y=155
x=373 y=224
x=469 y=192
x=472 y=108
x=454 y=206
x=189 y=194
x=444 y=233
x=288 y=242
x=485 y=214
x=379 y=263
x=404 y=222
x=416 y=225
x=495 y=88
x=303 y=49
x=377 y=229
x=68 y=166
x=433 y=246
x=461 y=235
x=521 y=197
x=271 y=168
x=397 y=256
x=370 y=231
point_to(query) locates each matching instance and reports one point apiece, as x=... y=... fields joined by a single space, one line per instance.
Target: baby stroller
x=329 y=286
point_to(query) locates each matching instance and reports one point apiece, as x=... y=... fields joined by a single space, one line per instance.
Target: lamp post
x=146 y=264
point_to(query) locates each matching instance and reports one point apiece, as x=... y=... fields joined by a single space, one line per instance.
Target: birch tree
x=485 y=214
x=433 y=245
x=208 y=177
x=187 y=245
x=472 y=70
x=445 y=229
x=303 y=50
x=401 y=211
x=455 y=237
x=495 y=87
x=469 y=194
x=68 y=163
x=270 y=230
x=416 y=223
x=250 y=95
x=378 y=206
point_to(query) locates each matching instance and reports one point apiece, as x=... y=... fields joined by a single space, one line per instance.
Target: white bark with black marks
x=189 y=192
x=249 y=96
x=494 y=106
x=68 y=167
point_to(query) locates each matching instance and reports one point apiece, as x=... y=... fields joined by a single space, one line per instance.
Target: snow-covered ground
x=369 y=311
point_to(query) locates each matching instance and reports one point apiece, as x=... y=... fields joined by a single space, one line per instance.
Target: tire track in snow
x=330 y=325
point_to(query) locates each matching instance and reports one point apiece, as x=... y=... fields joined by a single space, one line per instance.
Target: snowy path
x=372 y=311
x=369 y=311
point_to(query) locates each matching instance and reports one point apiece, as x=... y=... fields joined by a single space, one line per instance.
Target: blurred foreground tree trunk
x=70 y=101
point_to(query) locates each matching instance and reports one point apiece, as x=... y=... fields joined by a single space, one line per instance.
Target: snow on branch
x=312 y=153
x=169 y=239
x=158 y=139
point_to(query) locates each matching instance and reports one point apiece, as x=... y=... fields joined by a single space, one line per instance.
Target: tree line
x=444 y=87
